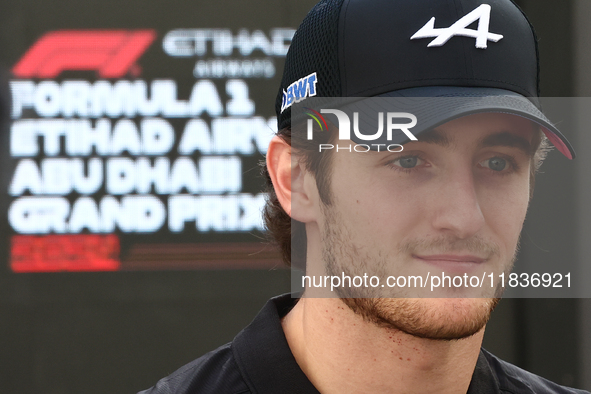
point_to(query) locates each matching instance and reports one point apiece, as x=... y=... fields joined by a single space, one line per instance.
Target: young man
x=453 y=200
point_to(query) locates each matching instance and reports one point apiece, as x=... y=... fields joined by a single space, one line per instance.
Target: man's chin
x=429 y=318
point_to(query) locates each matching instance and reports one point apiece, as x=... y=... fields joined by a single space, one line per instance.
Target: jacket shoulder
x=215 y=372
x=513 y=379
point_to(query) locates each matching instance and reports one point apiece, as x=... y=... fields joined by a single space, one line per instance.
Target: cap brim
x=434 y=106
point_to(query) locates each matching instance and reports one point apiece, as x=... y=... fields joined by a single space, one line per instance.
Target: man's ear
x=293 y=184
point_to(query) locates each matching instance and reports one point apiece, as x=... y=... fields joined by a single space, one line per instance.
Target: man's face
x=454 y=202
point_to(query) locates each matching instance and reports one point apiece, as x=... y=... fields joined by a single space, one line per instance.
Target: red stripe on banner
x=124 y=58
x=57 y=253
x=111 y=53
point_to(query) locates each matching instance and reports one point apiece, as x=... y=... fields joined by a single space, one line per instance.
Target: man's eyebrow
x=507 y=139
x=436 y=137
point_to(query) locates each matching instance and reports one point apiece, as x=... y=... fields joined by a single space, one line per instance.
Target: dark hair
x=289 y=234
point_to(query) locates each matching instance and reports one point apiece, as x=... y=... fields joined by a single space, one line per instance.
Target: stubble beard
x=436 y=319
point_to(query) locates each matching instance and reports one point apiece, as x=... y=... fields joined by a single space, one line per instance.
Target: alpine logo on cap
x=298 y=91
x=460 y=28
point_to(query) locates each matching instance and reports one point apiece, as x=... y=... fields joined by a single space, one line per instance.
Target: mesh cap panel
x=314 y=49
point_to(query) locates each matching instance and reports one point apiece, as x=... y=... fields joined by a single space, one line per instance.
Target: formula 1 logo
x=111 y=53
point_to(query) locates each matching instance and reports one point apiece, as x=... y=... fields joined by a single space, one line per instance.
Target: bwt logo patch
x=298 y=91
x=392 y=121
x=111 y=53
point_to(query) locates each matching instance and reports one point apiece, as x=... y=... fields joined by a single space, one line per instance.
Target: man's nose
x=458 y=209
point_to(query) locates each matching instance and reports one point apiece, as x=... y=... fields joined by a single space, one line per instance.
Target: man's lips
x=452 y=262
x=453 y=258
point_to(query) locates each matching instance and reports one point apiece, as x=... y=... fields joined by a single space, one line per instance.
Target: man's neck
x=340 y=353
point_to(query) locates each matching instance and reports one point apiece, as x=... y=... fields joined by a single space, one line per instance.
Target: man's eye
x=495 y=163
x=407 y=162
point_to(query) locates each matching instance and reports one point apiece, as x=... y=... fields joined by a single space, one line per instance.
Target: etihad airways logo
x=111 y=53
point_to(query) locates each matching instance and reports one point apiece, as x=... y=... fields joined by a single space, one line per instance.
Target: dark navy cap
x=484 y=51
